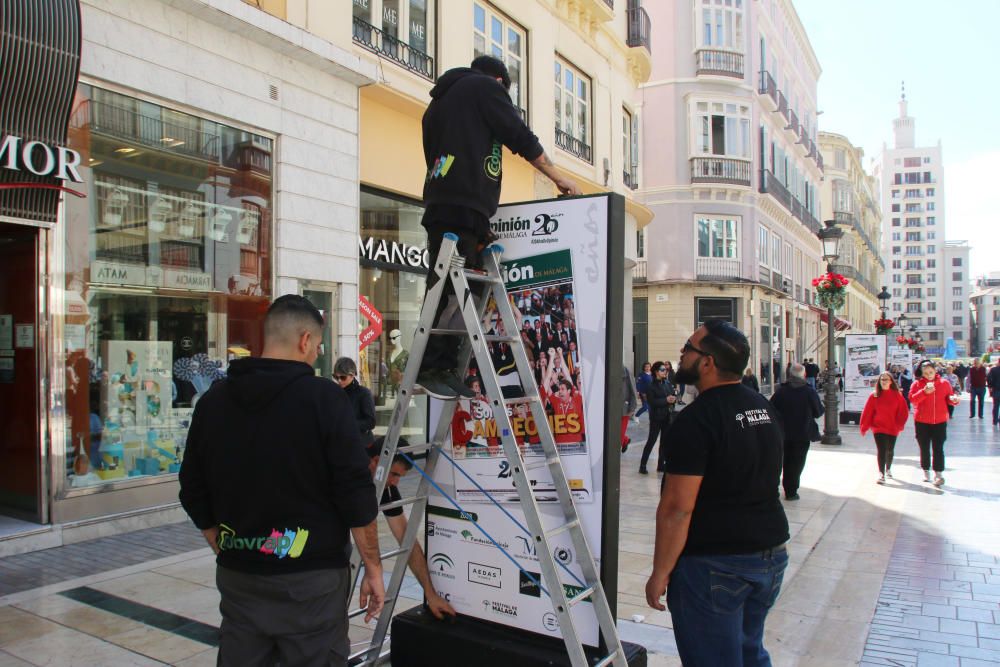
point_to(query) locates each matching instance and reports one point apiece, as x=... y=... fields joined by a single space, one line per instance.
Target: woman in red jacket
x=931 y=395
x=885 y=415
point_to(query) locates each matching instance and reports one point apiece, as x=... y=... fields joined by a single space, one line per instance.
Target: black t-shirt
x=731 y=437
x=390 y=494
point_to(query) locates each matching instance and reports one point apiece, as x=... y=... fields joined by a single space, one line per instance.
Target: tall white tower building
x=925 y=279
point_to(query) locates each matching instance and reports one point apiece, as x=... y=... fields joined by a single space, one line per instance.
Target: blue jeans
x=718 y=605
x=644 y=408
x=811 y=382
x=978 y=394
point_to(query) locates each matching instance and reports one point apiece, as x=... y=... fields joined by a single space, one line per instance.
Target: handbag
x=814 y=435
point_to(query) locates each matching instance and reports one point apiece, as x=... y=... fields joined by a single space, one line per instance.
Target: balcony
x=639 y=271
x=639 y=28
x=769 y=184
x=378 y=42
x=793 y=122
x=782 y=105
x=719 y=268
x=769 y=90
x=630 y=179
x=712 y=62
x=571 y=144
x=720 y=170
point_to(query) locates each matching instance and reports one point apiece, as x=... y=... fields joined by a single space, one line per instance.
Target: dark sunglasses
x=341 y=378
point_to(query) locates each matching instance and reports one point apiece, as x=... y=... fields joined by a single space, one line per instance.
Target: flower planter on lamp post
x=831 y=298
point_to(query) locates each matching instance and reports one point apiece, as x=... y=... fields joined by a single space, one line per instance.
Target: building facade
x=985 y=302
x=919 y=270
x=849 y=196
x=228 y=152
x=736 y=193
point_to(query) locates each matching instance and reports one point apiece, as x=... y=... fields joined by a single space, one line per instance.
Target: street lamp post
x=830 y=238
x=901 y=322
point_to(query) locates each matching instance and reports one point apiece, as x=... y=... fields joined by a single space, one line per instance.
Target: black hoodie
x=469 y=119
x=274 y=459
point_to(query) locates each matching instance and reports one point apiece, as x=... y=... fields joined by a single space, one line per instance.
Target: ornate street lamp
x=829 y=236
x=901 y=321
x=883 y=299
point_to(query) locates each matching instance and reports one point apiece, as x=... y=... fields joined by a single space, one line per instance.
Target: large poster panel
x=554 y=264
x=899 y=359
x=865 y=362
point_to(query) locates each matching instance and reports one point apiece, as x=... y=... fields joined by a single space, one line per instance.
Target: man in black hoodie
x=468 y=122
x=275 y=476
x=799 y=407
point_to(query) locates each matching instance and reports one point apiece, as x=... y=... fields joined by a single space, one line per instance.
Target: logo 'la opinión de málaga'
x=279 y=543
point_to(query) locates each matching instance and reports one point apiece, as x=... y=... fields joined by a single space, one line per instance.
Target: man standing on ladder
x=469 y=120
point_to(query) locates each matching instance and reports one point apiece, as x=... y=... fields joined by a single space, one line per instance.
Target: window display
x=168 y=276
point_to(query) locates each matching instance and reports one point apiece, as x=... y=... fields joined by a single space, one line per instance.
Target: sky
x=866 y=48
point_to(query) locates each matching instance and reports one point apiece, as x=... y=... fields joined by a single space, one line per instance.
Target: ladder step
x=392 y=554
x=476 y=276
x=501 y=339
x=361 y=611
x=604 y=662
x=583 y=595
x=563 y=528
x=401 y=503
x=541 y=463
x=449 y=332
x=417 y=448
x=521 y=400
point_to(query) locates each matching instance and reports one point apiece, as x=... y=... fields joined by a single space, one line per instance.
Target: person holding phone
x=931 y=395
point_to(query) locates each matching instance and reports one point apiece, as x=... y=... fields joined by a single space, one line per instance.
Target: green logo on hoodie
x=494 y=161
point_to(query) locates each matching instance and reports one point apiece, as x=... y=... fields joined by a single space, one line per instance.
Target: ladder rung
x=541 y=463
x=563 y=528
x=583 y=595
x=609 y=659
x=501 y=339
x=476 y=276
x=520 y=400
x=400 y=503
x=418 y=390
x=362 y=610
x=449 y=332
x=416 y=448
x=392 y=554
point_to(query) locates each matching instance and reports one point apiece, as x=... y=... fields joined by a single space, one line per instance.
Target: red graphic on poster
x=373 y=330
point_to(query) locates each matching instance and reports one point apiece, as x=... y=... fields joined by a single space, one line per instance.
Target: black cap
x=492 y=67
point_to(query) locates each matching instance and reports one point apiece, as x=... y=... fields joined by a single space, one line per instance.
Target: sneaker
x=635 y=420
x=450 y=378
x=793 y=496
x=643 y=471
x=938 y=480
x=880 y=480
x=888 y=474
x=927 y=475
x=435 y=385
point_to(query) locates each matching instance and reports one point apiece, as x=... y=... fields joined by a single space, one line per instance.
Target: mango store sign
x=393 y=252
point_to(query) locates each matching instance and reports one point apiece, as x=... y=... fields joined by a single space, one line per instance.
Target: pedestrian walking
x=661 y=399
x=469 y=120
x=956 y=388
x=345 y=374
x=977 y=387
x=905 y=384
x=993 y=384
x=629 y=404
x=641 y=386
x=931 y=395
x=798 y=406
x=812 y=372
x=720 y=528
x=750 y=380
x=275 y=477
x=885 y=415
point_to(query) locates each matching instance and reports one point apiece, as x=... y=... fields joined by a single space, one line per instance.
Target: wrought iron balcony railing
x=720 y=63
x=400 y=52
x=768 y=88
x=769 y=184
x=571 y=144
x=639 y=28
x=720 y=170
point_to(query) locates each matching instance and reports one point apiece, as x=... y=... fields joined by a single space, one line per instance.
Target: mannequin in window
x=397 y=360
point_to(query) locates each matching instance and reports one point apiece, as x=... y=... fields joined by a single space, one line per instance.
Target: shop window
x=168 y=277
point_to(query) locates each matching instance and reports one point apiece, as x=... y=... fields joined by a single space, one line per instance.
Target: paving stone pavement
x=901 y=574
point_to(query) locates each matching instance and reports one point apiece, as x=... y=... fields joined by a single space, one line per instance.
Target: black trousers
x=656 y=429
x=886 y=446
x=996 y=407
x=298 y=618
x=442 y=351
x=793 y=462
x=931 y=438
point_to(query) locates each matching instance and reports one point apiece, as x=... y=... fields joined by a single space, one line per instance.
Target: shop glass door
x=19 y=418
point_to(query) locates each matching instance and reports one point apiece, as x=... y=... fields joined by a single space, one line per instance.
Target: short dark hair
x=492 y=67
x=728 y=347
x=289 y=316
x=375 y=449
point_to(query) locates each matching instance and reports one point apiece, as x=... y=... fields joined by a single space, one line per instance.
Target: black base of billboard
x=419 y=640
x=848 y=417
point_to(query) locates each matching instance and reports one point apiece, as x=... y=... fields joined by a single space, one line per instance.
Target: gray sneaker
x=938 y=480
x=434 y=384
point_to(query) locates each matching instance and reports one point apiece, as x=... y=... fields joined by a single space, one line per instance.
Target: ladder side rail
x=529 y=505
x=585 y=558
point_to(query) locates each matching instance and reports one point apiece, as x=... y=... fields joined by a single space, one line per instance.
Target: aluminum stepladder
x=450 y=268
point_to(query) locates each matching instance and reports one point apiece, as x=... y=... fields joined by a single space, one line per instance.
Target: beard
x=690 y=375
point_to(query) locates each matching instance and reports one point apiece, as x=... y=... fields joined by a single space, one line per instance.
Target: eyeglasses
x=688 y=347
x=341 y=378
x=396 y=337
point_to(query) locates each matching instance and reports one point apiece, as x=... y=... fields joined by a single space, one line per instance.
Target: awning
x=839 y=323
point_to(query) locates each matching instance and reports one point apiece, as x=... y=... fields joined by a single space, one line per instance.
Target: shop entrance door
x=19 y=419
